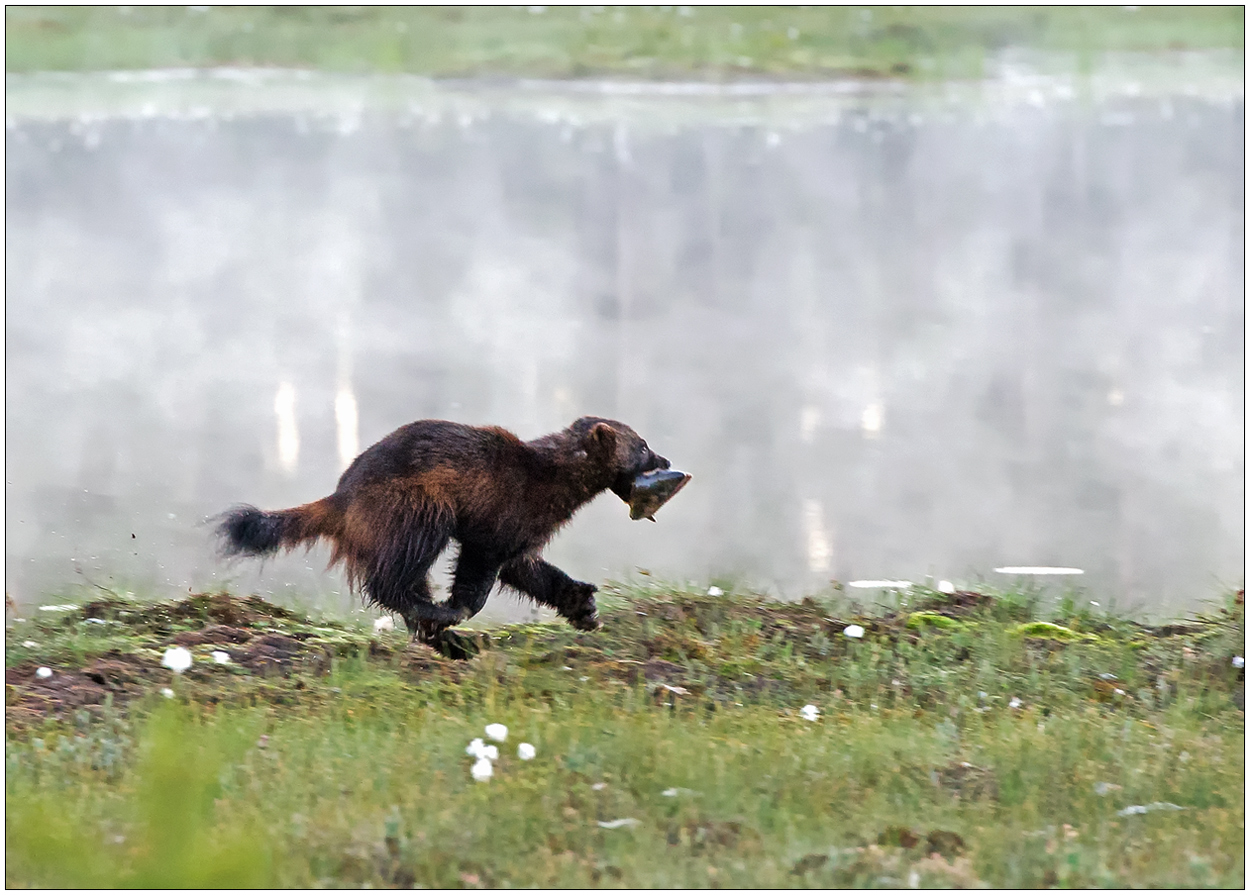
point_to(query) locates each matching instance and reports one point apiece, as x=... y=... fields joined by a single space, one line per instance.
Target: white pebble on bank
x=1239 y=662
x=221 y=657
x=43 y=672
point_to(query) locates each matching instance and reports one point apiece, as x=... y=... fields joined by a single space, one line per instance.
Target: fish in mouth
x=651 y=490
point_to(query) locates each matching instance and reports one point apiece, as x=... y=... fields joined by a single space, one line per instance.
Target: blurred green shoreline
x=708 y=43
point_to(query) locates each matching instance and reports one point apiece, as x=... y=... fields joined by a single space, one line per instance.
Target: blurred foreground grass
x=965 y=739
x=699 y=42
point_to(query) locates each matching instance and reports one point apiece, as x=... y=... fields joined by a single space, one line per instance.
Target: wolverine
x=402 y=501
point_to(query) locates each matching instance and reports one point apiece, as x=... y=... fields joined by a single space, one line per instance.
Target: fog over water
x=892 y=332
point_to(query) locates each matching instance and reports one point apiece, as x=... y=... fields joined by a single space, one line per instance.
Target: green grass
x=705 y=42
x=345 y=766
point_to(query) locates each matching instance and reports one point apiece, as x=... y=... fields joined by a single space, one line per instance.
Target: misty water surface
x=893 y=333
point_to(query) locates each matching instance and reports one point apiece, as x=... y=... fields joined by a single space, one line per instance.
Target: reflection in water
x=288 y=428
x=891 y=333
x=347 y=419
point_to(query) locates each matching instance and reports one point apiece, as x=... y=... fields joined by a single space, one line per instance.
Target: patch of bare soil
x=29 y=697
x=240 y=627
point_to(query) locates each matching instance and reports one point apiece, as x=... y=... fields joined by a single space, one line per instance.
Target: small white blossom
x=1239 y=662
x=715 y=591
x=497 y=732
x=854 y=631
x=482 y=770
x=945 y=587
x=167 y=693
x=43 y=672
x=525 y=752
x=1015 y=702
x=178 y=658
x=478 y=749
x=385 y=623
x=809 y=712
x=221 y=657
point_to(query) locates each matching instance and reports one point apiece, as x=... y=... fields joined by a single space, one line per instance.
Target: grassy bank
x=963 y=739
x=558 y=42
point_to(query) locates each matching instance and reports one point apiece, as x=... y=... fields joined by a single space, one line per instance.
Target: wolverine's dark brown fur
x=401 y=501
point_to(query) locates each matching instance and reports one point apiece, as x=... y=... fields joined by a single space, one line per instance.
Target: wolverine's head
x=620 y=449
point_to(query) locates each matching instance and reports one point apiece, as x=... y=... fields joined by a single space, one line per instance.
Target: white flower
x=385 y=623
x=853 y=631
x=43 y=672
x=715 y=591
x=1015 y=702
x=478 y=749
x=167 y=693
x=1239 y=662
x=946 y=587
x=809 y=712
x=482 y=770
x=525 y=752
x=497 y=732
x=221 y=657
x=178 y=658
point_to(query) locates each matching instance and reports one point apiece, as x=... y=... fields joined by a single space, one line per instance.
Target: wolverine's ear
x=601 y=439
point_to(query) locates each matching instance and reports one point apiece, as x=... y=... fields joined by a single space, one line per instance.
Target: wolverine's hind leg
x=397 y=536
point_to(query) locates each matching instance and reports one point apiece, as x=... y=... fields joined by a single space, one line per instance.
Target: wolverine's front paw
x=586 y=622
x=581 y=611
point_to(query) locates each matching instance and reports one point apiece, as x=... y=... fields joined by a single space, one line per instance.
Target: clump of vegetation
x=700 y=42
x=957 y=741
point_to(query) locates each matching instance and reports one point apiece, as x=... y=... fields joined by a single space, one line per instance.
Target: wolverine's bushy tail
x=245 y=530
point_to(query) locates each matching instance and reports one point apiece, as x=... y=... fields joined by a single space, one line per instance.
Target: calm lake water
x=894 y=333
